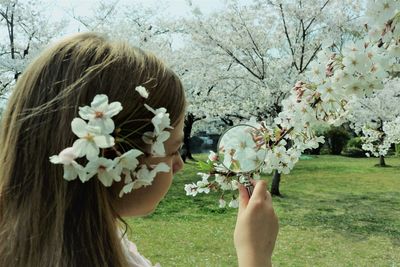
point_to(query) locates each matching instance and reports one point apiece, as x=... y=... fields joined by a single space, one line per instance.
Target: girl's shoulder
x=135 y=259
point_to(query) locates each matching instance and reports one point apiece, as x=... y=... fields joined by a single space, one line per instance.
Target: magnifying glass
x=241 y=149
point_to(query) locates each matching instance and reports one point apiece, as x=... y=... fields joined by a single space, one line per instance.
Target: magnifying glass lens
x=240 y=149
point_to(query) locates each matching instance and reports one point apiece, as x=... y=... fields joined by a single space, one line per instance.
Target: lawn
x=336 y=211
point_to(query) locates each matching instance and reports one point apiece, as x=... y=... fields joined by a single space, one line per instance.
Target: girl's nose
x=177 y=164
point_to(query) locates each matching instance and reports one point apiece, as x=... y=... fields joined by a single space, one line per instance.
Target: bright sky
x=171 y=8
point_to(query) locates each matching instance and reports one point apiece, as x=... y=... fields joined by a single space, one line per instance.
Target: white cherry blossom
x=156 y=140
x=234 y=203
x=191 y=189
x=104 y=169
x=128 y=160
x=222 y=203
x=100 y=112
x=71 y=168
x=142 y=91
x=161 y=119
x=144 y=177
x=91 y=139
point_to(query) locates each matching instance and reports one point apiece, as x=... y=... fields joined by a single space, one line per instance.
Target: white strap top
x=135 y=259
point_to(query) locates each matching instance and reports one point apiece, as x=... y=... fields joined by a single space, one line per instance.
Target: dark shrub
x=353 y=148
x=336 y=138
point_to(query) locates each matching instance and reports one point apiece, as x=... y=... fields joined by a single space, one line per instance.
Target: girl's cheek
x=156 y=160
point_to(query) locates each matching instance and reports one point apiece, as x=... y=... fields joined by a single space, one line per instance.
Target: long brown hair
x=45 y=220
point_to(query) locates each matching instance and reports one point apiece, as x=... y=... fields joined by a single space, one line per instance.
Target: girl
x=69 y=172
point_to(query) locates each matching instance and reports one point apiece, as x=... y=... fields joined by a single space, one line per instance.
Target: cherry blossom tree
x=307 y=26
x=26 y=29
x=370 y=114
x=235 y=67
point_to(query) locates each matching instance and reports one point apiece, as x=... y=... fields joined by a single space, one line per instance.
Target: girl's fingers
x=260 y=190
x=243 y=197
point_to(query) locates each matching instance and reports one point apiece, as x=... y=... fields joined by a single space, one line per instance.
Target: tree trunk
x=187 y=131
x=275 y=184
x=382 y=162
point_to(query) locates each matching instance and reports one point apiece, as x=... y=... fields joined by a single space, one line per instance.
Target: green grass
x=336 y=211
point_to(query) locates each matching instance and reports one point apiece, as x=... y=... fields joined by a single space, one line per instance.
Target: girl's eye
x=178 y=152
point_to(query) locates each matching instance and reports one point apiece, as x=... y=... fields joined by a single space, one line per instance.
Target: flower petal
x=79 y=127
x=100 y=100
x=113 y=109
x=70 y=173
x=158 y=150
x=92 y=150
x=129 y=159
x=67 y=155
x=86 y=113
x=79 y=147
x=102 y=126
x=161 y=167
x=142 y=91
x=148 y=137
x=163 y=136
x=104 y=141
x=55 y=159
x=105 y=178
x=126 y=189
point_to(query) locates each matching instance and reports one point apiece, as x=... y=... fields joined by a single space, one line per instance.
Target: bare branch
x=287 y=36
x=313 y=19
x=231 y=54
x=312 y=57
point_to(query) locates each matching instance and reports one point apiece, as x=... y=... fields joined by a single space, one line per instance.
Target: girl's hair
x=45 y=220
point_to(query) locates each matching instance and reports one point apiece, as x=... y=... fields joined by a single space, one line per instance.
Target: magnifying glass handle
x=249 y=186
x=250 y=189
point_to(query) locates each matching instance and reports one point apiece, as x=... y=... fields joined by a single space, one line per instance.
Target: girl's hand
x=256 y=227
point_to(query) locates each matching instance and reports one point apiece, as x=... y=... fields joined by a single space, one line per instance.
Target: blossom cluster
x=375 y=142
x=339 y=76
x=245 y=151
x=392 y=130
x=94 y=130
x=215 y=177
x=375 y=116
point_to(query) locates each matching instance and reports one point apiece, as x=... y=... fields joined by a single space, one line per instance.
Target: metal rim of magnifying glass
x=219 y=141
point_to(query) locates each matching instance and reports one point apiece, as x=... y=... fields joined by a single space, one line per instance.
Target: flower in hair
x=142 y=91
x=100 y=112
x=104 y=168
x=95 y=135
x=144 y=177
x=161 y=119
x=71 y=168
x=91 y=139
x=128 y=160
x=156 y=140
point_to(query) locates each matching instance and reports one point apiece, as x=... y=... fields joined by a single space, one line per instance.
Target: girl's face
x=144 y=200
